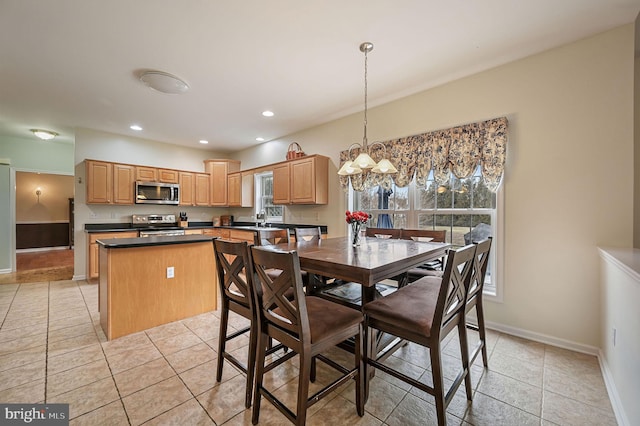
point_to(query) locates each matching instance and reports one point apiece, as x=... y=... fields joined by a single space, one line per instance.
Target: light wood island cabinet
x=145 y=284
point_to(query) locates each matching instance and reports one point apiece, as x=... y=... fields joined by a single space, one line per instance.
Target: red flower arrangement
x=358 y=216
x=356 y=219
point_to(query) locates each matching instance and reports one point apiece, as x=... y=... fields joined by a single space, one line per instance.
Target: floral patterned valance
x=459 y=150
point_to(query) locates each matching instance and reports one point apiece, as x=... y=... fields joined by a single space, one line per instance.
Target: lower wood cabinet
x=93 y=261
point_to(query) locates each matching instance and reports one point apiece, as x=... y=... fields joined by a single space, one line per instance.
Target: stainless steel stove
x=156 y=224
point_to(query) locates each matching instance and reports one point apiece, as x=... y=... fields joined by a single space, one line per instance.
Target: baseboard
x=544 y=338
x=614 y=397
x=31 y=250
x=79 y=277
x=5 y=271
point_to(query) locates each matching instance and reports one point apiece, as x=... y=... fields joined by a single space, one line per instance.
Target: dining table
x=374 y=260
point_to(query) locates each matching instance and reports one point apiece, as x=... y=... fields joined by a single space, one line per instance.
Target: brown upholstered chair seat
x=326 y=317
x=414 y=274
x=410 y=308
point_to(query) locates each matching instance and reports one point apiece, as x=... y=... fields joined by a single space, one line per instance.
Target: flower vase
x=355 y=234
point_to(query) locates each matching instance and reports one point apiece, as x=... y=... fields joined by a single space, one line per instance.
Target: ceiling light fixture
x=259 y=139
x=135 y=127
x=45 y=135
x=204 y=142
x=268 y=113
x=164 y=82
x=364 y=161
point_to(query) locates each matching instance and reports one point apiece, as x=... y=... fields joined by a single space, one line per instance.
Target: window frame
x=495 y=290
x=259 y=198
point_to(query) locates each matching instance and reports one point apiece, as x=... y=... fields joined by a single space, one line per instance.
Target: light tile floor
x=52 y=349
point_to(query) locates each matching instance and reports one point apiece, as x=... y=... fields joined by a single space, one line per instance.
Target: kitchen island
x=147 y=282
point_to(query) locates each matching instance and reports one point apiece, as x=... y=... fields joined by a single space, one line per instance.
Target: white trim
x=5 y=271
x=614 y=397
x=31 y=250
x=79 y=277
x=609 y=257
x=543 y=338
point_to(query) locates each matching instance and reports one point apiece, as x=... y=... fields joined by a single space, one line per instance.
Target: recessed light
x=259 y=139
x=268 y=113
x=44 y=134
x=164 y=82
x=203 y=142
x=135 y=127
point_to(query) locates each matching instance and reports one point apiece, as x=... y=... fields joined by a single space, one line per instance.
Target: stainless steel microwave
x=157 y=193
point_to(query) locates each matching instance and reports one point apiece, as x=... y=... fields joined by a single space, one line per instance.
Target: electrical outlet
x=94 y=215
x=615 y=332
x=170 y=272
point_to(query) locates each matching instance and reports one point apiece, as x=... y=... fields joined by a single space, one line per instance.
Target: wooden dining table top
x=372 y=261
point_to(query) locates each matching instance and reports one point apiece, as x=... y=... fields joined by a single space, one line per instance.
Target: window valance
x=458 y=149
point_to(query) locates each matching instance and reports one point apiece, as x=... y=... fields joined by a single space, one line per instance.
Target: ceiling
x=71 y=63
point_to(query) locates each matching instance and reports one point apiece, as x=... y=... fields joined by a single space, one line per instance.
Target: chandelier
x=363 y=163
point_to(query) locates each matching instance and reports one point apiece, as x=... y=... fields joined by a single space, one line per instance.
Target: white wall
x=569 y=173
x=95 y=145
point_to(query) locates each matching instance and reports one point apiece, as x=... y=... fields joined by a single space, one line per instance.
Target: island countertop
x=159 y=240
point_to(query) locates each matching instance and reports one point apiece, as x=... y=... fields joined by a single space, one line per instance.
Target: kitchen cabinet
x=240 y=235
x=202 y=189
x=302 y=181
x=187 y=189
x=93 y=252
x=234 y=186
x=218 y=232
x=240 y=187
x=123 y=184
x=218 y=171
x=168 y=176
x=99 y=181
x=309 y=180
x=193 y=231
x=109 y=183
x=281 y=186
x=146 y=174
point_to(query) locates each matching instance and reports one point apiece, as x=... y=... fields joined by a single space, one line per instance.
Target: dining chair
x=312 y=234
x=233 y=261
x=424 y=313
x=474 y=298
x=271 y=236
x=372 y=232
x=307 y=325
x=432 y=268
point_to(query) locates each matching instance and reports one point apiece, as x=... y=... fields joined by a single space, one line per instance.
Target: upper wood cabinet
x=234 y=186
x=240 y=187
x=302 y=181
x=187 y=189
x=202 y=189
x=123 y=184
x=109 y=183
x=281 y=186
x=309 y=180
x=146 y=174
x=168 y=176
x=99 y=181
x=218 y=171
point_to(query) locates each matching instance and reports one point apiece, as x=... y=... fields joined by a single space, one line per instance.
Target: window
x=264 y=197
x=465 y=208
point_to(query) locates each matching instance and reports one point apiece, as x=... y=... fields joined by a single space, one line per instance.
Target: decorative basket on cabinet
x=294 y=151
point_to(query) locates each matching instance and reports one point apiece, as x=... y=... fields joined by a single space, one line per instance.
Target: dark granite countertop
x=160 y=240
x=249 y=226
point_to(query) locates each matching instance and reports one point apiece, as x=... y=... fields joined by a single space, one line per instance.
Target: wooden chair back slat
x=481 y=262
x=439 y=236
x=455 y=281
x=271 y=236
x=233 y=262
x=371 y=232
x=307 y=234
x=270 y=292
